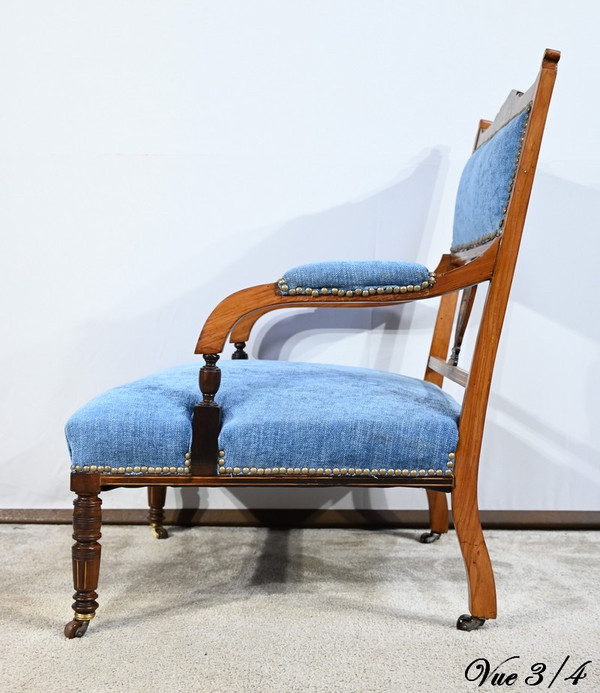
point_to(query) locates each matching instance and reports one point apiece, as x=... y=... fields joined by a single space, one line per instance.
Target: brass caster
x=159 y=532
x=429 y=537
x=76 y=628
x=468 y=622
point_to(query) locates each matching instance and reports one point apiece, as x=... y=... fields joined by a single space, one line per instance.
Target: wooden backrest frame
x=505 y=250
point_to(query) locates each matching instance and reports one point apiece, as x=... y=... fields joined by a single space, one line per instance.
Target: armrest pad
x=355 y=278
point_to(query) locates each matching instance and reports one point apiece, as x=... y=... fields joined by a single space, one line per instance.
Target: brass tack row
x=138 y=469
x=371 y=291
x=335 y=471
x=269 y=471
x=450 y=462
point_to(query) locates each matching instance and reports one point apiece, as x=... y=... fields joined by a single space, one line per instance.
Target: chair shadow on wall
x=396 y=223
x=553 y=278
x=551 y=295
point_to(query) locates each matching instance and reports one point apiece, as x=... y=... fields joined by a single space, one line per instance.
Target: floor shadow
x=273 y=563
x=193 y=501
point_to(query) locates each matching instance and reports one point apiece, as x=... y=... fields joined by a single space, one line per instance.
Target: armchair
x=267 y=423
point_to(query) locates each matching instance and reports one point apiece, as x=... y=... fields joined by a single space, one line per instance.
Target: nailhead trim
x=228 y=470
x=264 y=471
x=137 y=469
x=498 y=232
x=362 y=292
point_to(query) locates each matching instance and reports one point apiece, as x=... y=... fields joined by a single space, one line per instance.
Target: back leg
x=480 y=575
x=156 y=514
x=438 y=516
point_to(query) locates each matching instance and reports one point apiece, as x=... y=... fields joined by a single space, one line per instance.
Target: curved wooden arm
x=249 y=304
x=240 y=310
x=242 y=328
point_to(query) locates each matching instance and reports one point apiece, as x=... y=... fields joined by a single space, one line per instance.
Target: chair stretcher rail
x=454 y=373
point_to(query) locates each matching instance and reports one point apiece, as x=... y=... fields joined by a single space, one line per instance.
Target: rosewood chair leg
x=438 y=517
x=156 y=513
x=87 y=522
x=480 y=575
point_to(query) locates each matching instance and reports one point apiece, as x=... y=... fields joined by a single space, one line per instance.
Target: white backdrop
x=156 y=155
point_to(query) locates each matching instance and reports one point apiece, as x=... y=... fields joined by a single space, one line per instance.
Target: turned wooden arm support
x=206 y=422
x=235 y=316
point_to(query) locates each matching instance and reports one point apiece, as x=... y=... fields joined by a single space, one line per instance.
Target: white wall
x=156 y=155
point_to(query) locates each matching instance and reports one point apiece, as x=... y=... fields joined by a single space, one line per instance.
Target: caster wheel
x=468 y=622
x=160 y=532
x=76 y=629
x=429 y=537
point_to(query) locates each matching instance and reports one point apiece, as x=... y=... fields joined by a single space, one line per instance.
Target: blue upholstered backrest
x=486 y=185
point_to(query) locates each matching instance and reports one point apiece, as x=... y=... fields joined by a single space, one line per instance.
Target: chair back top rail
x=517 y=100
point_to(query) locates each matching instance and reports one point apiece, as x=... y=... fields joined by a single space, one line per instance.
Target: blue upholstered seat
x=278 y=418
x=143 y=426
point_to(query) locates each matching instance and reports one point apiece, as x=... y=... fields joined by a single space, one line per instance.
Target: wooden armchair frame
x=457 y=273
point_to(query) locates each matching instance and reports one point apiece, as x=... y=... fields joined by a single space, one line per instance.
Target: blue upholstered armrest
x=355 y=278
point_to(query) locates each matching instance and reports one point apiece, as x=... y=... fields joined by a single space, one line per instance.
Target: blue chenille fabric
x=485 y=185
x=143 y=423
x=303 y=415
x=274 y=415
x=331 y=277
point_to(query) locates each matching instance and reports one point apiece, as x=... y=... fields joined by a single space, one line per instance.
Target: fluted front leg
x=87 y=522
